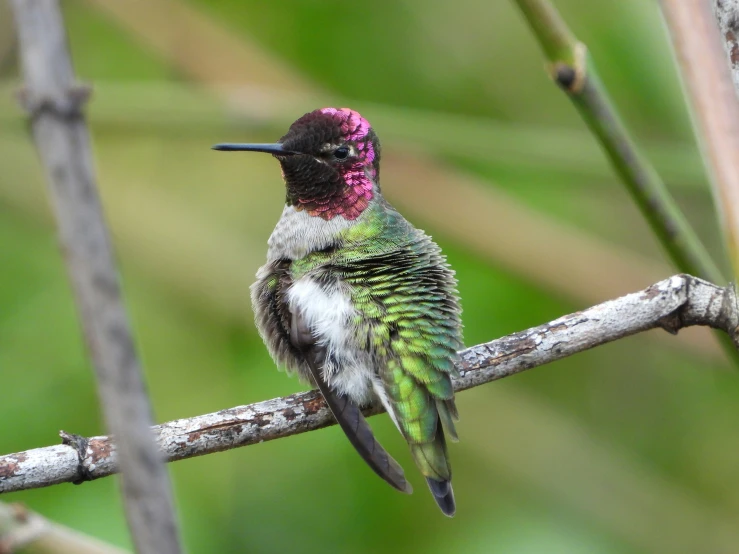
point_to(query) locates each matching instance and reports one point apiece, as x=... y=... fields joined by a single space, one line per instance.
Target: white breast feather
x=328 y=311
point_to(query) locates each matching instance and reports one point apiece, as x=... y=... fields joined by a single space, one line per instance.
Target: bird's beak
x=275 y=148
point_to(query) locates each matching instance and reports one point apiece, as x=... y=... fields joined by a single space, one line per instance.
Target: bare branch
x=54 y=101
x=24 y=530
x=672 y=304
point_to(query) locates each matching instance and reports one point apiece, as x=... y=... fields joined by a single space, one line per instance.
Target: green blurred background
x=629 y=448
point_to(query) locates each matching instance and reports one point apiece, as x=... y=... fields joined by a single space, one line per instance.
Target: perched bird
x=357 y=301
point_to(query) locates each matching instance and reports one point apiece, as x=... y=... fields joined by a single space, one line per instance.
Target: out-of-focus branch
x=54 y=102
x=29 y=532
x=672 y=304
x=702 y=61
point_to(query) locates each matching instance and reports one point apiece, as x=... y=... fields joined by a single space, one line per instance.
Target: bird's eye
x=341 y=153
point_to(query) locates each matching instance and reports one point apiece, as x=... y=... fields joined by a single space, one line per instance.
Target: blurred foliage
x=628 y=448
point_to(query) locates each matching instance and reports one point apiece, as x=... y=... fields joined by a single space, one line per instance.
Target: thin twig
x=672 y=304
x=54 y=101
x=573 y=70
x=702 y=60
x=27 y=531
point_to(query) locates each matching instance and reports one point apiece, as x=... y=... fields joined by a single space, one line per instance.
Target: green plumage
x=407 y=315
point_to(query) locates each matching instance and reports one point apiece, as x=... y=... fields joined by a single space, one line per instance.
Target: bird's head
x=330 y=161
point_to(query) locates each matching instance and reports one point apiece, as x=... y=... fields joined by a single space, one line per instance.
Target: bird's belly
x=352 y=379
x=328 y=311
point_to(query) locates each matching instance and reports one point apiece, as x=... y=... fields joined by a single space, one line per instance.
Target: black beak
x=275 y=148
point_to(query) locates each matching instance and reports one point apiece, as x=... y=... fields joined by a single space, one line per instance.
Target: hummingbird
x=358 y=302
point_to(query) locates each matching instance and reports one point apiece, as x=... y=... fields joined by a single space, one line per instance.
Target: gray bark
x=727 y=15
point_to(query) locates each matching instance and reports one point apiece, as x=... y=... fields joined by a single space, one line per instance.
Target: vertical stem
x=707 y=78
x=555 y=38
x=54 y=101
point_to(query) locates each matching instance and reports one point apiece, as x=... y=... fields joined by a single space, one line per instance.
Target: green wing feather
x=408 y=309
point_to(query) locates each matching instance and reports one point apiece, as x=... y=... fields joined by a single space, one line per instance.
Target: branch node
x=672 y=322
x=571 y=78
x=80 y=444
x=67 y=104
x=728 y=317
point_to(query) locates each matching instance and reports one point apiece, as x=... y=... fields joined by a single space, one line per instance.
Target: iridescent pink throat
x=354 y=197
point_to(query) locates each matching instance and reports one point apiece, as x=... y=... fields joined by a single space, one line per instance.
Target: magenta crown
x=332 y=126
x=353 y=125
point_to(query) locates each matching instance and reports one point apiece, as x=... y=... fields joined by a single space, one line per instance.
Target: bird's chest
x=297 y=234
x=326 y=308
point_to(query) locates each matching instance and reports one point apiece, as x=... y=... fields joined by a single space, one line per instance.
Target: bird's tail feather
x=447 y=416
x=443 y=494
x=432 y=459
x=359 y=433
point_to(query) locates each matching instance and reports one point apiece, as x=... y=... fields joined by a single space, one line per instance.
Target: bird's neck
x=298 y=233
x=347 y=199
